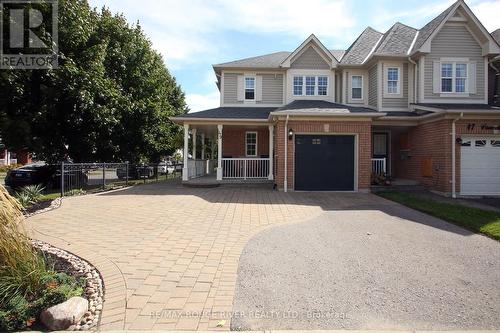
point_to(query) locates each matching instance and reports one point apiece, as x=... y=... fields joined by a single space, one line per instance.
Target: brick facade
x=432 y=142
x=361 y=128
x=233 y=141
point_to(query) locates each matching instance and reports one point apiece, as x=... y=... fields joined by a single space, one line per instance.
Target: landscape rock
x=62 y=316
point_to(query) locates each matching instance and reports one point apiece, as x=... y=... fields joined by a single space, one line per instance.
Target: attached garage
x=325 y=162
x=480 y=166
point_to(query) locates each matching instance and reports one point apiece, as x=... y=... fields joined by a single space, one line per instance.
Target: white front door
x=480 y=166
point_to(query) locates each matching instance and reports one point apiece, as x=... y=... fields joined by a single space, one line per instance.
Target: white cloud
x=199 y=102
x=488 y=13
x=185 y=30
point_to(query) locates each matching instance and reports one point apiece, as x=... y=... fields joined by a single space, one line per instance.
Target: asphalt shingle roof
x=430 y=27
x=321 y=105
x=496 y=36
x=397 y=40
x=457 y=106
x=272 y=60
x=361 y=47
x=231 y=113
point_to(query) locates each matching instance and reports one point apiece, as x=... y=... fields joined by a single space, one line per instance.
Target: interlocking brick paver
x=151 y=240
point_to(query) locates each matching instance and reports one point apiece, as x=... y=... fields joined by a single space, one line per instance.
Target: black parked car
x=47 y=175
x=135 y=172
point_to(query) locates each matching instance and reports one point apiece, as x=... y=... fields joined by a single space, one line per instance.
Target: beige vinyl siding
x=272 y=89
x=398 y=102
x=231 y=88
x=372 y=87
x=454 y=41
x=309 y=59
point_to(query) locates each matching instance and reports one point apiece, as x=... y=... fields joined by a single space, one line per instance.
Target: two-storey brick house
x=409 y=103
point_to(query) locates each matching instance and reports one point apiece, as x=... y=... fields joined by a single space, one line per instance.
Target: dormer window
x=310 y=85
x=249 y=88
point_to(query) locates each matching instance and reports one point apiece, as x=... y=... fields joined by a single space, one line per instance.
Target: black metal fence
x=79 y=178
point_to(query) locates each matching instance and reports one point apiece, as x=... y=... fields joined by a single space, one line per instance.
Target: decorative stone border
x=56 y=203
x=93 y=290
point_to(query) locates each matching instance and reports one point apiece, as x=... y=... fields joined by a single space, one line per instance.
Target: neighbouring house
x=411 y=104
x=8 y=157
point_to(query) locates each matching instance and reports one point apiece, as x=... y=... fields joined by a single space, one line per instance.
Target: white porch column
x=194 y=143
x=185 y=171
x=202 y=146
x=271 y=152
x=219 y=152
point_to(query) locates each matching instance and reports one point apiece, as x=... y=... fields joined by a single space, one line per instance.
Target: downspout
x=414 y=79
x=496 y=97
x=453 y=156
x=285 y=181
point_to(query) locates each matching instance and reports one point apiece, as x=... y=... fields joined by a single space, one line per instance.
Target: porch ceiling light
x=290 y=134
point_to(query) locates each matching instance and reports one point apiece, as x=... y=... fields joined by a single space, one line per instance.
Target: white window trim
x=254 y=77
x=454 y=77
x=316 y=85
x=398 y=93
x=256 y=143
x=362 y=90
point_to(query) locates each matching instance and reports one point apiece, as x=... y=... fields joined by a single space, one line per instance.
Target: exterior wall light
x=290 y=134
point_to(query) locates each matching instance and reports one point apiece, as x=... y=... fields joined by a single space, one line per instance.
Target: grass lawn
x=474 y=219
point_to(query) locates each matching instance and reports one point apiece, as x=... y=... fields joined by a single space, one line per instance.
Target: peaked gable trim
x=332 y=61
x=491 y=48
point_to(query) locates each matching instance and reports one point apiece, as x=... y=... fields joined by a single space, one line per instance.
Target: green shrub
x=30 y=195
x=28 y=283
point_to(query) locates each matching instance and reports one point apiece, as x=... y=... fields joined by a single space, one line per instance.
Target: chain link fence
x=79 y=178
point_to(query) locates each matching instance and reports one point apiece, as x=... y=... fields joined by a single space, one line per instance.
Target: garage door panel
x=324 y=162
x=480 y=169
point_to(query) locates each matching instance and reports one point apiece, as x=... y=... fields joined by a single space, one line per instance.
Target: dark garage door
x=324 y=162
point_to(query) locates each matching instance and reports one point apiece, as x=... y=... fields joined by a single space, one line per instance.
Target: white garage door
x=480 y=166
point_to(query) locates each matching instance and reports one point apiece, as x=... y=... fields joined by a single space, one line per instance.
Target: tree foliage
x=109 y=99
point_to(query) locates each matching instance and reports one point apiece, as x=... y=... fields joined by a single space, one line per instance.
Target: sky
x=192 y=35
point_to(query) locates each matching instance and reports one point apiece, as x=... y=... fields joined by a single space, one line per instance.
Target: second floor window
x=453 y=77
x=297 y=85
x=393 y=80
x=310 y=85
x=250 y=88
x=356 y=87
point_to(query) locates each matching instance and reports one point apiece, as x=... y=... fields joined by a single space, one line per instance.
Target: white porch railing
x=379 y=166
x=245 y=168
x=199 y=168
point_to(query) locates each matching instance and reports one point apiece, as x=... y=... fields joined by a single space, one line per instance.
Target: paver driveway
x=166 y=247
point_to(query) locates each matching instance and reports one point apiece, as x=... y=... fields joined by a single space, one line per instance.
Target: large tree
x=109 y=99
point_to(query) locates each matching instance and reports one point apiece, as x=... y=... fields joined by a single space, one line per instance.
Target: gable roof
x=312 y=39
x=362 y=46
x=397 y=40
x=426 y=34
x=496 y=36
x=430 y=27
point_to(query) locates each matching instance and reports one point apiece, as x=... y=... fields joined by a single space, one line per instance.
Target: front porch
x=221 y=153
